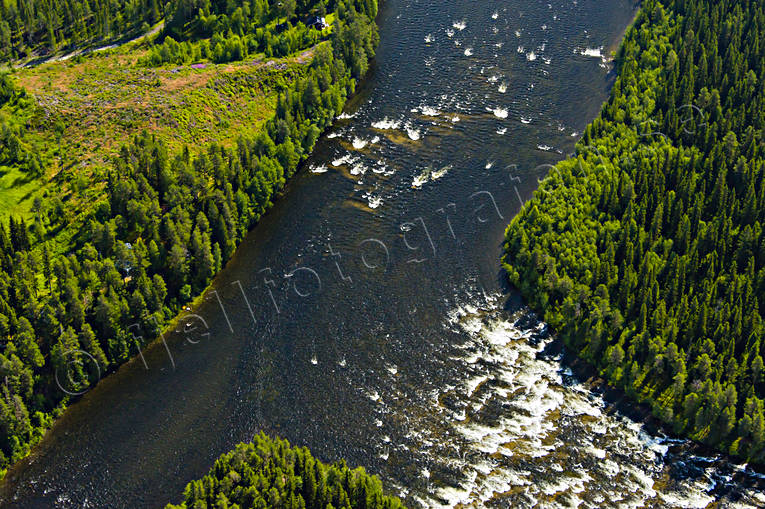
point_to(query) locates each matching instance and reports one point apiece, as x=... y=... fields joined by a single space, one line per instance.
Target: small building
x=317 y=22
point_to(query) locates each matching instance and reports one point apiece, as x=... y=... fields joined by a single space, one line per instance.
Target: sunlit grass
x=105 y=98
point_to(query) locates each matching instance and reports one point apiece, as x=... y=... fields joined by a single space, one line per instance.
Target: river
x=366 y=317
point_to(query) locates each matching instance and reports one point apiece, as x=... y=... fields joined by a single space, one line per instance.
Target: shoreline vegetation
x=124 y=243
x=270 y=473
x=646 y=252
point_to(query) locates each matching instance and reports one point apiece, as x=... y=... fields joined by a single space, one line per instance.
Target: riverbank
x=95 y=130
x=139 y=256
x=605 y=268
x=372 y=368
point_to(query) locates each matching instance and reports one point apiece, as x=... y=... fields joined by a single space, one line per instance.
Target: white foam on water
x=386 y=124
x=392 y=369
x=374 y=201
x=472 y=384
x=495 y=15
x=346 y=116
x=551 y=488
x=468 y=52
x=608 y=467
x=598 y=427
x=382 y=169
x=358 y=143
x=358 y=169
x=437 y=174
x=502 y=88
x=471 y=324
x=656 y=444
x=455 y=119
x=472 y=358
x=421 y=179
x=375 y=139
x=546 y=148
x=453 y=496
x=499 y=112
x=333 y=134
x=687 y=499
x=590 y=52
x=485 y=439
x=429 y=111
x=320 y=168
x=643 y=483
x=511 y=433
x=531 y=56
x=346 y=159
x=524 y=427
x=459 y=25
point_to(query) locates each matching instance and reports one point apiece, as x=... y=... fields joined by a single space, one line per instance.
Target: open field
x=99 y=102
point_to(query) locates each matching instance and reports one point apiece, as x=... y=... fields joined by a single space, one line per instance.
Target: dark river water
x=366 y=316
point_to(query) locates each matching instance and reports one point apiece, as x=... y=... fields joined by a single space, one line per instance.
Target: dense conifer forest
x=34 y=27
x=646 y=251
x=168 y=222
x=270 y=473
x=230 y=31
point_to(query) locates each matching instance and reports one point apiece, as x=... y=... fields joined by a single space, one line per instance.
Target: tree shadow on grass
x=27 y=196
x=23 y=180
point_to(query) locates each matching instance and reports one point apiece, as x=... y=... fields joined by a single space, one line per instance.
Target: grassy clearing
x=101 y=100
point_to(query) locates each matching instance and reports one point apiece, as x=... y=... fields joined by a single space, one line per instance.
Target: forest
x=646 y=250
x=31 y=28
x=270 y=473
x=229 y=31
x=166 y=224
